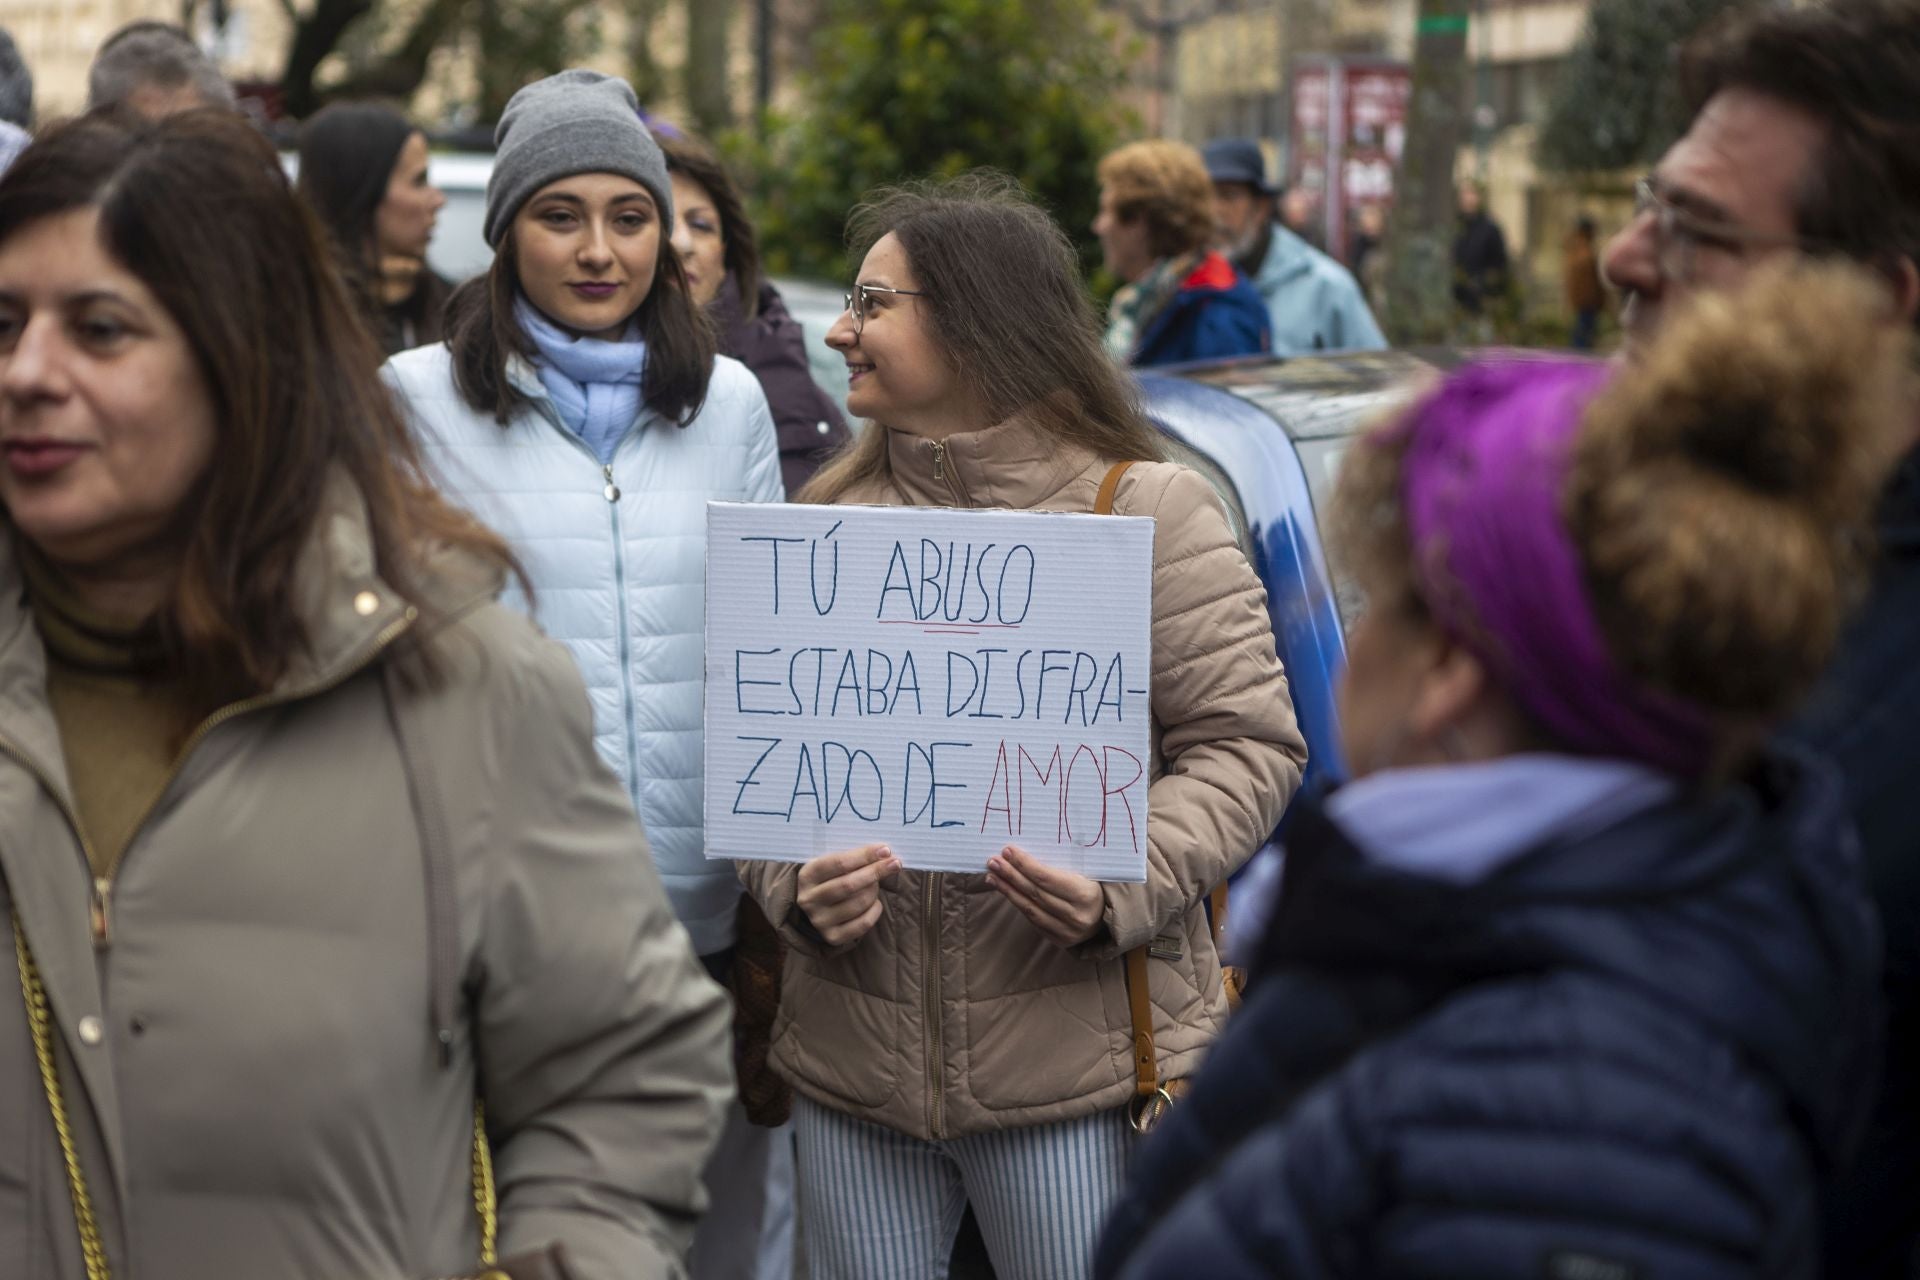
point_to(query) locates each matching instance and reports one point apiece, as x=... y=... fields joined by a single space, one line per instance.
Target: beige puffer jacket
x=270 y=1027
x=955 y=1015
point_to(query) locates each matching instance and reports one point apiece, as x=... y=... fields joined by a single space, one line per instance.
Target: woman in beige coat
x=957 y=1038
x=303 y=839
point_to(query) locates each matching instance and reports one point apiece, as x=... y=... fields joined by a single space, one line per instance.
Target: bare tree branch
x=400 y=72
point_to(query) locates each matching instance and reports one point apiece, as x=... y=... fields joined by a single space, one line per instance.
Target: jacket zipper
x=936 y=1053
x=942 y=472
x=612 y=495
x=100 y=910
x=610 y=490
x=930 y=936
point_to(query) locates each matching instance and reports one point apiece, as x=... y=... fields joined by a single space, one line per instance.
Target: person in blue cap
x=1313 y=303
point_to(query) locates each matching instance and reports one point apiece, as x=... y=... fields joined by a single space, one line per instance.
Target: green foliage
x=905 y=89
x=1616 y=102
x=521 y=41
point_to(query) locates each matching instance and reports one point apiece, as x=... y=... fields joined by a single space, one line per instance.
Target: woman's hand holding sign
x=840 y=892
x=1066 y=907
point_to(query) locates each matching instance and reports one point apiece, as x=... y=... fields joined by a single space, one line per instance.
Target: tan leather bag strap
x=1103 y=502
x=1145 y=1071
x=1146 y=1068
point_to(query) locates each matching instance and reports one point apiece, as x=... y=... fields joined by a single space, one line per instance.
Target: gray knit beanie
x=575 y=122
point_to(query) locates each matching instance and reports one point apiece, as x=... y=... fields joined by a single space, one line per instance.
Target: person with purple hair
x=1575 y=979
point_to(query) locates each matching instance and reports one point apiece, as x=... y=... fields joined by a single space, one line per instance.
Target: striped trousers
x=876 y=1204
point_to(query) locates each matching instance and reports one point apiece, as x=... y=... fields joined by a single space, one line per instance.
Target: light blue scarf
x=1460 y=823
x=595 y=384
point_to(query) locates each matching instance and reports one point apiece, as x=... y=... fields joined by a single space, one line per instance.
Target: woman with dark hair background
x=717 y=246
x=363 y=169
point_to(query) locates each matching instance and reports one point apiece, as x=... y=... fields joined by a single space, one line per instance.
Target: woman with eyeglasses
x=967 y=1039
x=579 y=408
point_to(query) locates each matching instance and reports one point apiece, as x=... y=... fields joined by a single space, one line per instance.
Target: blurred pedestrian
x=1179 y=299
x=1585 y=295
x=1577 y=977
x=1805 y=140
x=363 y=169
x=307 y=848
x=578 y=407
x=975 y=352
x=1312 y=301
x=155 y=69
x=1303 y=214
x=1368 y=254
x=1481 y=272
x=16 y=102
x=717 y=245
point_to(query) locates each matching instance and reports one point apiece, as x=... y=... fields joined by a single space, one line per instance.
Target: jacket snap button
x=365 y=603
x=825 y=430
x=90 y=1031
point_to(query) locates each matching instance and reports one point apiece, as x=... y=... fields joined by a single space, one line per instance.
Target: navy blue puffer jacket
x=1631 y=1056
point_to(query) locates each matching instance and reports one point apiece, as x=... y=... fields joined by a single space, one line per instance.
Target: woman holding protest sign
x=578 y=406
x=968 y=1038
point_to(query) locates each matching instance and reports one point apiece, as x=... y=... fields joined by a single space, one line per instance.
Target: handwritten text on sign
x=945 y=682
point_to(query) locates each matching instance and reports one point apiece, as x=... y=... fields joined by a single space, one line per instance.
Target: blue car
x=1269 y=434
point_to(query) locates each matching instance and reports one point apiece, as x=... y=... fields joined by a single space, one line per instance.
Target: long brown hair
x=1006 y=305
x=198 y=208
x=484 y=334
x=694 y=160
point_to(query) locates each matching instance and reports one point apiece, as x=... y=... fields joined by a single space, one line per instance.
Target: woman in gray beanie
x=578 y=408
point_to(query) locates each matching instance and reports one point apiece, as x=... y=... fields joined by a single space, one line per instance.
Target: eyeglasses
x=861 y=297
x=1680 y=235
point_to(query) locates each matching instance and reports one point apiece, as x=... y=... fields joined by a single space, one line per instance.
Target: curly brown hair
x=1165 y=183
x=1719 y=494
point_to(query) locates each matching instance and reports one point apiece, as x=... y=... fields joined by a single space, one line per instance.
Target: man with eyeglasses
x=1806 y=140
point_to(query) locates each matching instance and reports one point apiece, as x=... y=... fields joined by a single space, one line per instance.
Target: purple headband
x=1482 y=484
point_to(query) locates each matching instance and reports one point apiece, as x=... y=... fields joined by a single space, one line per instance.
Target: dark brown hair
x=484 y=334
x=1854 y=65
x=1719 y=496
x=347 y=156
x=197 y=207
x=1165 y=183
x=1007 y=307
x=693 y=159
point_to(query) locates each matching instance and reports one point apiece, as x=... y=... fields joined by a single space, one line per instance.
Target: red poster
x=1349 y=129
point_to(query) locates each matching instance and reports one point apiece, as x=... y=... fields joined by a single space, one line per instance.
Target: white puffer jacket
x=618 y=560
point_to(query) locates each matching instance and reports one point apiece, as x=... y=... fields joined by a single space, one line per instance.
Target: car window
x=1188 y=456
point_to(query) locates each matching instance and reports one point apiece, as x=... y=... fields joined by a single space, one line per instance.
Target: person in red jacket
x=1181 y=300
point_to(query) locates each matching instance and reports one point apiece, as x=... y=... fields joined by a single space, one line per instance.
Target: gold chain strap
x=485 y=1202
x=92 y=1251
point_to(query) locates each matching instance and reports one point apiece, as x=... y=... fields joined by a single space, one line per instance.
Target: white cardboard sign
x=946 y=682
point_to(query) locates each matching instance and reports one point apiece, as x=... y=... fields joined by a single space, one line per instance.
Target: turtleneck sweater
x=121 y=720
